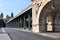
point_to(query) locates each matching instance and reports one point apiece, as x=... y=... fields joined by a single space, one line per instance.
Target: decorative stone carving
x=38 y=4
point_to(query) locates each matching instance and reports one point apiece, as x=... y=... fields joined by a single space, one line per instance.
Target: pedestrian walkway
x=47 y=34
x=52 y=35
x=4 y=35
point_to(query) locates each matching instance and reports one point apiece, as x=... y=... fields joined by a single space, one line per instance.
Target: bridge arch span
x=44 y=3
x=45 y=16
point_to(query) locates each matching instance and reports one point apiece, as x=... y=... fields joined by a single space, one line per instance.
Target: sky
x=15 y=6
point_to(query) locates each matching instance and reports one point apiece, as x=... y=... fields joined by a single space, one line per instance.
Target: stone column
x=49 y=26
x=49 y=23
x=24 y=23
x=16 y=23
x=29 y=22
x=35 y=25
x=20 y=23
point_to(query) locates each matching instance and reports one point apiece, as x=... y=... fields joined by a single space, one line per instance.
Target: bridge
x=22 y=20
x=41 y=16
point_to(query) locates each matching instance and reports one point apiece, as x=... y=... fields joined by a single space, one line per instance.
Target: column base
x=49 y=28
x=35 y=28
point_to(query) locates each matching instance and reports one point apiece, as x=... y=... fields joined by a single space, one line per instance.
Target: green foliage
x=19 y=23
x=29 y=21
x=2 y=23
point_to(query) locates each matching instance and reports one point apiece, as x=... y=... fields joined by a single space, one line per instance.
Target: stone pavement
x=52 y=35
x=4 y=35
x=55 y=35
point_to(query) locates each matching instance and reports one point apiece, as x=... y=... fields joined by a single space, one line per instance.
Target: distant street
x=20 y=35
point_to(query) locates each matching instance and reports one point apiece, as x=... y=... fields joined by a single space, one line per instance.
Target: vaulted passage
x=50 y=17
x=57 y=22
x=46 y=18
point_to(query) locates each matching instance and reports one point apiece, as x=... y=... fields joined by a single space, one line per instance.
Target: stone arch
x=35 y=20
x=44 y=2
x=45 y=12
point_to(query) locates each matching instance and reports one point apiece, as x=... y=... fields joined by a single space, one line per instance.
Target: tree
x=2 y=15
x=12 y=15
x=2 y=23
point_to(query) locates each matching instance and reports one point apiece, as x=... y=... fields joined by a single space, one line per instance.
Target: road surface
x=3 y=35
x=20 y=35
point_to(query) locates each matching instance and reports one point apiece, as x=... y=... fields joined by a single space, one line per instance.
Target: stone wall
x=50 y=9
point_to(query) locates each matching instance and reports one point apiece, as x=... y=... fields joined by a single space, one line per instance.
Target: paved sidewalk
x=49 y=34
x=4 y=35
x=52 y=35
x=26 y=30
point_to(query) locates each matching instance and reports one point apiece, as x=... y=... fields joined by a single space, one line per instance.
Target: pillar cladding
x=29 y=21
x=35 y=27
x=20 y=22
x=37 y=7
x=24 y=25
